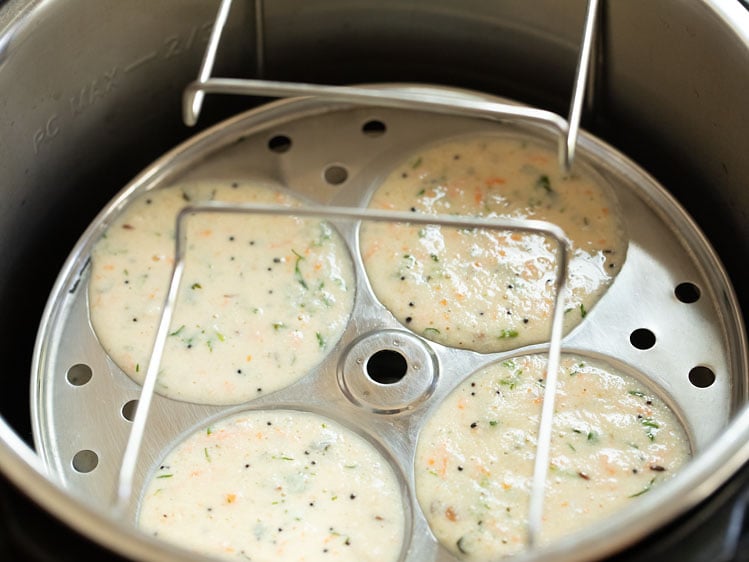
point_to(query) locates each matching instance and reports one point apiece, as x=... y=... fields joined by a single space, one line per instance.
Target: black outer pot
x=90 y=94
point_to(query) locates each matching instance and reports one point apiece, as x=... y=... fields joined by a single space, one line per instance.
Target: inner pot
x=99 y=110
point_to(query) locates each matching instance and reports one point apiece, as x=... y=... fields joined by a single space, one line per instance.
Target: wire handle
x=458 y=104
x=402 y=98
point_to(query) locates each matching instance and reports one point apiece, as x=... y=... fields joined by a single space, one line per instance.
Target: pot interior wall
x=85 y=106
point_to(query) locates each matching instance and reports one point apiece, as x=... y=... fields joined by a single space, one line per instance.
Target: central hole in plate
x=387 y=367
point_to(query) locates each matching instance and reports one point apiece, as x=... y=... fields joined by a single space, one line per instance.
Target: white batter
x=613 y=440
x=277 y=485
x=262 y=301
x=489 y=290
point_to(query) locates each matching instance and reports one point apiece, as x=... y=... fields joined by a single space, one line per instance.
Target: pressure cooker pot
x=94 y=142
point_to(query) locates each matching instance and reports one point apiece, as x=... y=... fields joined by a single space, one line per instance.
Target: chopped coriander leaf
x=298 y=272
x=544 y=183
x=644 y=490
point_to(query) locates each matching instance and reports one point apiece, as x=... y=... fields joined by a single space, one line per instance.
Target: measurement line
x=141 y=61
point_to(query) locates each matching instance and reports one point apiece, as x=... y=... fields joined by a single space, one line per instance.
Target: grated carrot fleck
x=495 y=181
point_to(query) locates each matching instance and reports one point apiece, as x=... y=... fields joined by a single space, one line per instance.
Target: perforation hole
x=687 y=292
x=642 y=338
x=129 y=409
x=387 y=367
x=701 y=376
x=279 y=144
x=335 y=174
x=85 y=461
x=374 y=128
x=79 y=374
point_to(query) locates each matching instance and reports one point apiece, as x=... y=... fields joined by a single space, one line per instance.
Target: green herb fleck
x=433 y=331
x=592 y=436
x=165 y=475
x=178 y=331
x=493 y=423
x=297 y=271
x=507 y=333
x=461 y=544
x=208 y=430
x=137 y=367
x=416 y=163
x=196 y=286
x=583 y=312
x=325 y=234
x=206 y=454
x=320 y=340
x=435 y=257
x=637 y=393
x=644 y=490
x=544 y=183
x=278 y=326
